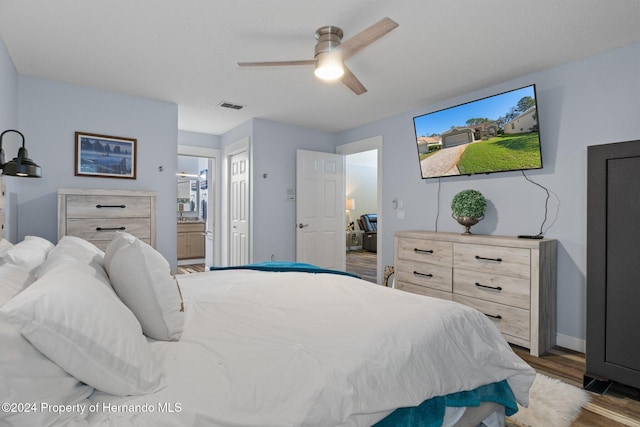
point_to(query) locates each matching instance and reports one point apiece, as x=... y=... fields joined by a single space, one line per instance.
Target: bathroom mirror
x=187 y=195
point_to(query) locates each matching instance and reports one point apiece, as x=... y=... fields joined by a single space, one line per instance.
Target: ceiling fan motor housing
x=329 y=38
x=330 y=53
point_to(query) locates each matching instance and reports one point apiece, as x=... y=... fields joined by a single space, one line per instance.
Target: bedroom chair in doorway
x=369 y=224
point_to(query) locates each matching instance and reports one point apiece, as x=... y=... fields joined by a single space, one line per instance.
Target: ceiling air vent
x=225 y=104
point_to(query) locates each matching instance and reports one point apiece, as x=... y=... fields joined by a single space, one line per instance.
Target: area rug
x=552 y=403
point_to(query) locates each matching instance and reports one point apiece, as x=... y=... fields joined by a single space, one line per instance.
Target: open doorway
x=197 y=214
x=363 y=207
x=361 y=177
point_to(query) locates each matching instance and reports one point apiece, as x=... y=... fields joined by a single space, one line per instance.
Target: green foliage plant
x=468 y=203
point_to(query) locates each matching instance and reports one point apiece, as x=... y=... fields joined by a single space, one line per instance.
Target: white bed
x=251 y=348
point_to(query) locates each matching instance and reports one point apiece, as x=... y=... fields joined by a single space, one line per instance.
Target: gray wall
x=51 y=112
x=9 y=120
x=593 y=101
x=588 y=102
x=361 y=186
x=198 y=139
x=274 y=147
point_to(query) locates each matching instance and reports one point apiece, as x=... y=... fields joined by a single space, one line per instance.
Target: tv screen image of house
x=494 y=134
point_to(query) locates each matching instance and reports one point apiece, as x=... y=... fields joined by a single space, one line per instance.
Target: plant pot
x=467 y=222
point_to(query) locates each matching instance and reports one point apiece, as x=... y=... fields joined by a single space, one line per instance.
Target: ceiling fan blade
x=352 y=82
x=276 y=63
x=367 y=36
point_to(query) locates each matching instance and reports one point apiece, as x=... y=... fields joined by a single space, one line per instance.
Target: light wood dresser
x=511 y=280
x=96 y=215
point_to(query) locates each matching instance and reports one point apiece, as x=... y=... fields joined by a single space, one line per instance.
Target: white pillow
x=29 y=253
x=81 y=325
x=79 y=248
x=113 y=247
x=143 y=280
x=13 y=279
x=89 y=257
x=28 y=376
x=61 y=262
x=5 y=244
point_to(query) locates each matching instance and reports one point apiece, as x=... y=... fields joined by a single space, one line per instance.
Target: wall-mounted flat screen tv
x=494 y=134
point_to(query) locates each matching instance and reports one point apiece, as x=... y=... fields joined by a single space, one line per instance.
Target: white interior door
x=239 y=209
x=320 y=214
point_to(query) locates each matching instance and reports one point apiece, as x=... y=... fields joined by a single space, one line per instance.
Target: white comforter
x=297 y=349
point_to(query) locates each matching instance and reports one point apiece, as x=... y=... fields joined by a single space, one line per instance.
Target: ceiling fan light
x=329 y=66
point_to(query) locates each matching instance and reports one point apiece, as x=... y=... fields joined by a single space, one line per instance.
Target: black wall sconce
x=21 y=165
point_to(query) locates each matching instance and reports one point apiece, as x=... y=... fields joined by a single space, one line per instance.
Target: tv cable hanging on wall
x=540 y=235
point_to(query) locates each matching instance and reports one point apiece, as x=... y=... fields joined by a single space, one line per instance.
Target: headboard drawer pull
x=110 y=228
x=111 y=206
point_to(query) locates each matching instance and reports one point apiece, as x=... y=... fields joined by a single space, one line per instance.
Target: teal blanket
x=284 y=266
x=430 y=413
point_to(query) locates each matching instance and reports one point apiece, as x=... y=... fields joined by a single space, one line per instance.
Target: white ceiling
x=186 y=51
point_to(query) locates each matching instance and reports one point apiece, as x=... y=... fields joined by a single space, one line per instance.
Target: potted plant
x=468 y=208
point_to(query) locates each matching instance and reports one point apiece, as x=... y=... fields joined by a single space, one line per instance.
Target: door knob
x=301 y=225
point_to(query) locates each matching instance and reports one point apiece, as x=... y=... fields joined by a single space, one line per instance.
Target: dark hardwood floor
x=190 y=268
x=363 y=264
x=619 y=406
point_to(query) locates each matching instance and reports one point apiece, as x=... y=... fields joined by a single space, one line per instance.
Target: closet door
x=613 y=267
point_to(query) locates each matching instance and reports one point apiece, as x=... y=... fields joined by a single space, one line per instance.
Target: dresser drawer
x=500 y=260
x=86 y=206
x=501 y=289
x=423 y=290
x=195 y=227
x=105 y=229
x=499 y=275
x=424 y=274
x=509 y=320
x=431 y=251
x=102 y=244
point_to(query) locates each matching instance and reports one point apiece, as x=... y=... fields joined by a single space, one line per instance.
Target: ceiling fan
x=330 y=53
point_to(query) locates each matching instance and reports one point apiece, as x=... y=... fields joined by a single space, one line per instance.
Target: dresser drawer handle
x=417 y=273
x=111 y=206
x=495 y=288
x=110 y=228
x=422 y=251
x=489 y=259
x=493 y=316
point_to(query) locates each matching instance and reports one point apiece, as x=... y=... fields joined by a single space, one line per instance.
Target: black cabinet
x=613 y=263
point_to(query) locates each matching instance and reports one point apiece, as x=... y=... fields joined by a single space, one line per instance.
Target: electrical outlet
x=400 y=215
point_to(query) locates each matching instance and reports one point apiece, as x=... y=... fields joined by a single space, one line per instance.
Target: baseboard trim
x=572 y=343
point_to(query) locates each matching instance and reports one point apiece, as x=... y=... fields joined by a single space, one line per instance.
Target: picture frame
x=105 y=156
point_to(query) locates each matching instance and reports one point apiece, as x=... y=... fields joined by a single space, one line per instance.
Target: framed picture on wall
x=105 y=156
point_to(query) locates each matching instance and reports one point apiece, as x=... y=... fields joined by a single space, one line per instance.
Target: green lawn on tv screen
x=504 y=152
